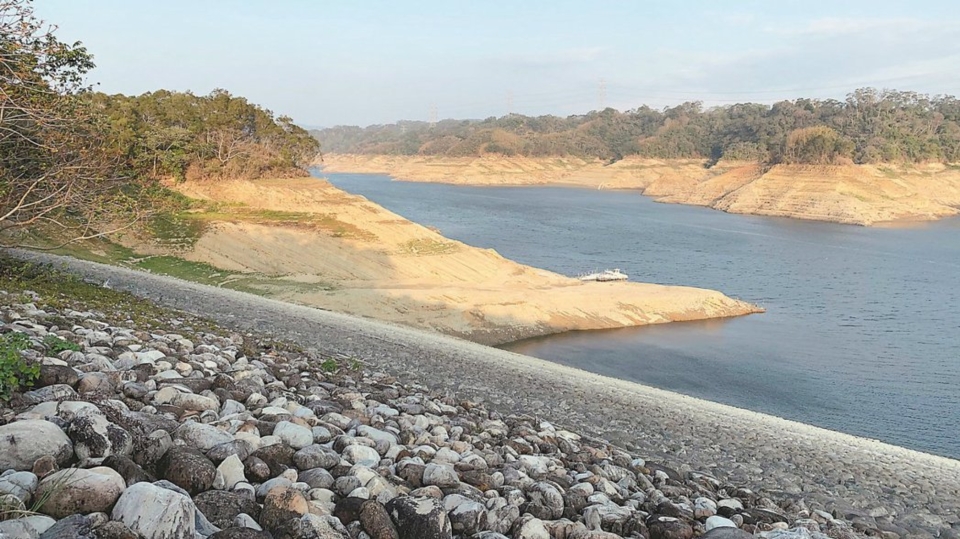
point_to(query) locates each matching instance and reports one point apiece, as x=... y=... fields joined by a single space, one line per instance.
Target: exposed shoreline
x=865 y=195
x=344 y=253
x=773 y=456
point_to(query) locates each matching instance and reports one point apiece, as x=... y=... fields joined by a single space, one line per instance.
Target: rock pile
x=160 y=436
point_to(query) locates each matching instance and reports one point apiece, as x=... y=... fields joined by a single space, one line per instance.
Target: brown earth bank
x=850 y=194
x=341 y=252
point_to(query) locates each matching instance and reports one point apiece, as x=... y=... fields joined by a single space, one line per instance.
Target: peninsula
x=306 y=242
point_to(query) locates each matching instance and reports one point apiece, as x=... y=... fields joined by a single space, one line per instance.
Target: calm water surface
x=861 y=333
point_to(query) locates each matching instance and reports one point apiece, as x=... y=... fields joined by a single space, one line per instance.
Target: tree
x=52 y=168
x=818 y=145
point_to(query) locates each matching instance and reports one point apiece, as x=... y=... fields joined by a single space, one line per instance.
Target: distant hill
x=870 y=126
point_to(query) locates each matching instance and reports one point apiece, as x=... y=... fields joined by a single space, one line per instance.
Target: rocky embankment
x=850 y=194
x=183 y=433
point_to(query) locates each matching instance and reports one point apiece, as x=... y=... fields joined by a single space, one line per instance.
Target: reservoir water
x=861 y=333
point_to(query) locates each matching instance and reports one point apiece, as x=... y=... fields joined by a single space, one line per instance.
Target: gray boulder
x=156 y=512
x=94 y=436
x=31 y=526
x=231 y=470
x=78 y=490
x=202 y=436
x=72 y=527
x=19 y=484
x=55 y=392
x=241 y=533
x=467 y=517
x=419 y=518
x=315 y=456
x=317 y=527
x=548 y=498
x=221 y=508
x=726 y=532
x=294 y=435
x=441 y=475
x=187 y=468
x=23 y=442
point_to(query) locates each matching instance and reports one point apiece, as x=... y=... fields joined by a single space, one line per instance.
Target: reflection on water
x=861 y=333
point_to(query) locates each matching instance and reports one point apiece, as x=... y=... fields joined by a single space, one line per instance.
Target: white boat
x=605 y=276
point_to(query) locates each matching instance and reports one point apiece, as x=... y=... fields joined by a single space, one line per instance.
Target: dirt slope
x=854 y=194
x=380 y=265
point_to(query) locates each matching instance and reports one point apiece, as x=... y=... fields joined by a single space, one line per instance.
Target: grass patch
x=60 y=290
x=252 y=283
x=55 y=344
x=427 y=247
x=98 y=250
x=198 y=272
x=329 y=365
x=317 y=221
x=175 y=230
x=889 y=172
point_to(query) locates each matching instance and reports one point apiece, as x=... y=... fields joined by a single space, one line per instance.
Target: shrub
x=15 y=371
x=329 y=365
x=55 y=344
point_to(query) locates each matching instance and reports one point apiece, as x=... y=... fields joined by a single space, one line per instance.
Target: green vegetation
x=51 y=169
x=59 y=290
x=78 y=164
x=55 y=344
x=426 y=246
x=870 y=126
x=179 y=135
x=817 y=145
x=15 y=371
x=329 y=365
x=197 y=272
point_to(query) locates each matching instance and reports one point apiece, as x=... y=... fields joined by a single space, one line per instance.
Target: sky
x=338 y=62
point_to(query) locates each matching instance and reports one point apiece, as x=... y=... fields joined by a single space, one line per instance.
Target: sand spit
x=851 y=194
x=346 y=254
x=894 y=492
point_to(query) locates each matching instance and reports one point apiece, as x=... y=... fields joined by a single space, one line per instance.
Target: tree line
x=869 y=126
x=84 y=162
x=180 y=135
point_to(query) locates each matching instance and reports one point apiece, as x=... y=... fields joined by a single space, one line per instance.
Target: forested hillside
x=870 y=126
x=179 y=135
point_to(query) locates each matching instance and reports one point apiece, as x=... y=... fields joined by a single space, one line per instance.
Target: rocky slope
x=886 y=490
x=344 y=253
x=852 y=194
x=190 y=431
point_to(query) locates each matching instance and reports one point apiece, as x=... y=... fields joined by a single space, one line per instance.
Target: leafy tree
x=180 y=135
x=51 y=169
x=817 y=145
x=870 y=125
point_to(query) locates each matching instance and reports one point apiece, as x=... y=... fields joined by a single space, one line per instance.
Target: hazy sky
x=362 y=62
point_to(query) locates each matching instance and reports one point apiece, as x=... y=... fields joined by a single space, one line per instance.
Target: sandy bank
x=852 y=194
x=346 y=254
